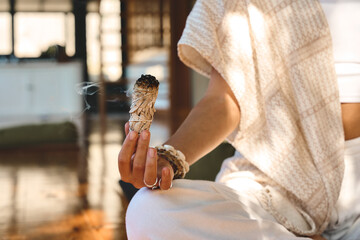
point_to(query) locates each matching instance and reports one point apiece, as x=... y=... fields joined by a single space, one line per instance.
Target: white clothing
x=277 y=59
x=343 y=17
x=227 y=209
x=232 y=208
x=349 y=82
x=200 y=210
x=346 y=215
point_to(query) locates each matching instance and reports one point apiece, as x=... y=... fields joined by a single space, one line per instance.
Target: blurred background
x=65 y=69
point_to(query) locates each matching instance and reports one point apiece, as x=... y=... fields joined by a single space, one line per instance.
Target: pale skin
x=138 y=162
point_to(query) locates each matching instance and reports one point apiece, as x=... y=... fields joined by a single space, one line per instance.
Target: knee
x=144 y=212
x=142 y=203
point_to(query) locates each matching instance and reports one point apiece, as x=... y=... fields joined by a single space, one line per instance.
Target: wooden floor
x=66 y=193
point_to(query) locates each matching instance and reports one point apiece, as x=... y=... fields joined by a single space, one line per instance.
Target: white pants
x=221 y=211
x=345 y=223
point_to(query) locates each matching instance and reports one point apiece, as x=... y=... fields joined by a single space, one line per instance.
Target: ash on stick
x=142 y=108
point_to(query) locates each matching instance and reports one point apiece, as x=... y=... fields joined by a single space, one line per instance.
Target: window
x=4 y=5
x=93 y=45
x=43 y=5
x=37 y=25
x=103 y=36
x=5 y=33
x=36 y=32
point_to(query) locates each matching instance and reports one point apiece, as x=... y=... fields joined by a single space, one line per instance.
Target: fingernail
x=145 y=135
x=133 y=135
x=151 y=152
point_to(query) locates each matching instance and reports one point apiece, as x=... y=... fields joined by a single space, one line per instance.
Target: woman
x=273 y=94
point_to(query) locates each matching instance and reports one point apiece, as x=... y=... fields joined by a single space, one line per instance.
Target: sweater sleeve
x=198 y=47
x=217 y=36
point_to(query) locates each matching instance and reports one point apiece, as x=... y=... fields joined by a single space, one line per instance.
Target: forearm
x=208 y=124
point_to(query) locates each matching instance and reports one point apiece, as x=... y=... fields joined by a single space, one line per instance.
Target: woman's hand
x=140 y=164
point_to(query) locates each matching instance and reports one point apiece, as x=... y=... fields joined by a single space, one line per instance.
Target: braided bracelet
x=175 y=158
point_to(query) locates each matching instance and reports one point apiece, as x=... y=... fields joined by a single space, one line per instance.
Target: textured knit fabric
x=276 y=56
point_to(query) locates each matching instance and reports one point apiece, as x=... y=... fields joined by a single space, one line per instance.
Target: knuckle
x=150 y=164
x=121 y=161
x=125 y=179
x=138 y=185
x=138 y=167
x=166 y=183
x=142 y=146
x=143 y=142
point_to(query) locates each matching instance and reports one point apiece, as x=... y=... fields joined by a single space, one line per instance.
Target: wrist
x=175 y=158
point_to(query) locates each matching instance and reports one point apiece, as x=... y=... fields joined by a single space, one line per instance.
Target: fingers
x=166 y=178
x=138 y=170
x=127 y=127
x=150 y=175
x=138 y=163
x=125 y=154
x=165 y=173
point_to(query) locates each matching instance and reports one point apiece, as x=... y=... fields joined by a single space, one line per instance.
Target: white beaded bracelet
x=176 y=158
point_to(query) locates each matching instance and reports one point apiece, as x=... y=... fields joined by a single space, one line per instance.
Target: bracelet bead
x=176 y=159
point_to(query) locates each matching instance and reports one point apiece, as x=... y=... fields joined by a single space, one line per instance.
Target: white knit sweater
x=276 y=55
